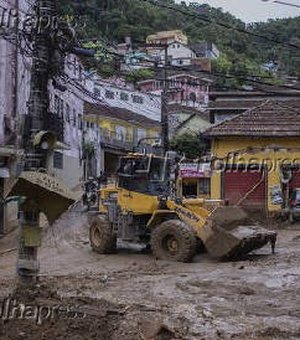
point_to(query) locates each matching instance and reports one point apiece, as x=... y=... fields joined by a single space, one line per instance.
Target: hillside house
x=166 y=37
x=183 y=88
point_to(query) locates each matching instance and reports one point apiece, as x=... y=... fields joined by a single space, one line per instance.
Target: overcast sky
x=254 y=10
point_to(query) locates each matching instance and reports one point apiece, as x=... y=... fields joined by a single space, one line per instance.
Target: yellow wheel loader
x=143 y=207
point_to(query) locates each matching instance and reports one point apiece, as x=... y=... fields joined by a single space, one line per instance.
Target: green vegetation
x=188 y=144
x=112 y=20
x=138 y=75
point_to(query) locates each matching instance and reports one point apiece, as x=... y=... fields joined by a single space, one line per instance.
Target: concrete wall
x=71 y=174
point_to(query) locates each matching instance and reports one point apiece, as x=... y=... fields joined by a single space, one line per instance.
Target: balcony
x=111 y=139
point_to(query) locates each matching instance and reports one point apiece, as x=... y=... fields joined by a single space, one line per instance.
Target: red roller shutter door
x=251 y=186
x=295 y=181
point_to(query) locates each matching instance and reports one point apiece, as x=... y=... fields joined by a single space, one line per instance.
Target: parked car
x=294 y=205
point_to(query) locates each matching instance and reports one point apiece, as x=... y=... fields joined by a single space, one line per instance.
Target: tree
x=188 y=144
x=138 y=75
x=115 y=19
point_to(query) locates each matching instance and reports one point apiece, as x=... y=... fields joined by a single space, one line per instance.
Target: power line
x=197 y=16
x=228 y=74
x=284 y=3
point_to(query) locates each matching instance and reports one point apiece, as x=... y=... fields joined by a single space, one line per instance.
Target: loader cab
x=146 y=174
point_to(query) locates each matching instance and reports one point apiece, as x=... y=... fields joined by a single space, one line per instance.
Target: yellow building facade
x=271 y=154
x=122 y=124
x=256 y=157
x=121 y=131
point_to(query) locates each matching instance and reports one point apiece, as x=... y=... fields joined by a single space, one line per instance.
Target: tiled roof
x=239 y=104
x=177 y=108
x=270 y=119
x=119 y=114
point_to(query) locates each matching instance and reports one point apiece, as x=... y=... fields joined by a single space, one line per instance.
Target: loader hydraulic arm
x=195 y=219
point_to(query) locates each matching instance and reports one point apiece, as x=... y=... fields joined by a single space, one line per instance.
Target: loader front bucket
x=230 y=234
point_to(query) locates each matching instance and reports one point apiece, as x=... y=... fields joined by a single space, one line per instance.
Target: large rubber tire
x=102 y=238
x=173 y=240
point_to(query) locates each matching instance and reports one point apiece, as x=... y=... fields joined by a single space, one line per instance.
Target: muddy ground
x=129 y=295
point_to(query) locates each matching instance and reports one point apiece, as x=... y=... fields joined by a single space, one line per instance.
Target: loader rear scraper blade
x=230 y=234
x=52 y=196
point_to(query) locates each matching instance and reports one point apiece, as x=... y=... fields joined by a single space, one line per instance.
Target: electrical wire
x=197 y=16
x=284 y=3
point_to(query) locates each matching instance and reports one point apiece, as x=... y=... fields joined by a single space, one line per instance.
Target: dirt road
x=130 y=294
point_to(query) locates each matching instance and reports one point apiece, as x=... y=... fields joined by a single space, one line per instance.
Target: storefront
x=256 y=157
x=194 y=180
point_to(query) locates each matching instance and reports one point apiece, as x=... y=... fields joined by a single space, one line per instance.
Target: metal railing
x=113 y=139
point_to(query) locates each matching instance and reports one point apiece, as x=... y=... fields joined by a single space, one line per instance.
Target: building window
x=74 y=118
x=80 y=122
x=80 y=72
x=141 y=134
x=109 y=94
x=58 y=160
x=204 y=186
x=178 y=46
x=68 y=113
x=189 y=188
x=120 y=132
x=124 y=96
x=137 y=99
x=75 y=65
x=61 y=112
x=56 y=104
x=97 y=92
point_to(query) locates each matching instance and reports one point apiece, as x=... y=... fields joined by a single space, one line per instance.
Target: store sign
x=194 y=170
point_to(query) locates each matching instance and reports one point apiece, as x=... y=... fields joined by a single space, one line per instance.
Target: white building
x=14 y=69
x=148 y=105
x=179 y=54
x=67 y=100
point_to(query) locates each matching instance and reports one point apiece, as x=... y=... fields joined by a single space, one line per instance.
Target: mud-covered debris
x=155 y=330
x=246 y=291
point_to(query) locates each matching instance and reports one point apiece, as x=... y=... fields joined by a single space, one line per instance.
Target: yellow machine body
x=224 y=231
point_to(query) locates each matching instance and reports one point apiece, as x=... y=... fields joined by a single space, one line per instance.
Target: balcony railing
x=115 y=140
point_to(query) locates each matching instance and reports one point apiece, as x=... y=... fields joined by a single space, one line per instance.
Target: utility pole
x=164 y=97
x=38 y=106
x=42 y=57
x=164 y=106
